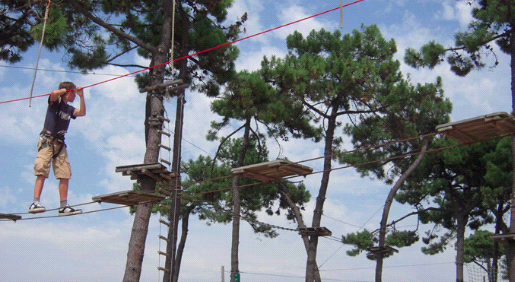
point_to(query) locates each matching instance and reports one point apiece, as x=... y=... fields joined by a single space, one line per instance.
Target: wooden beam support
x=159 y=86
x=151 y=175
x=176 y=88
x=315 y=231
x=503 y=239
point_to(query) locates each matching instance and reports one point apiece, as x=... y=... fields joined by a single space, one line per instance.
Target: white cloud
x=113 y=133
x=294 y=13
x=254 y=23
x=456 y=11
x=6 y=197
x=251 y=60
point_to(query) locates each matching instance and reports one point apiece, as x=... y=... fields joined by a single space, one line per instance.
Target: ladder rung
x=164 y=133
x=165 y=147
x=163 y=254
x=165 y=222
x=163 y=118
x=165 y=161
x=163 y=269
x=163 y=238
x=165 y=207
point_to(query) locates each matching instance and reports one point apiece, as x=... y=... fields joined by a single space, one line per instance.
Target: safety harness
x=47 y=139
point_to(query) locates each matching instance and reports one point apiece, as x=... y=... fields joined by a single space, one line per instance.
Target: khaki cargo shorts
x=47 y=148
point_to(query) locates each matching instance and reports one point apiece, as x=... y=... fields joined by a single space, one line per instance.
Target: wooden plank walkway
x=128 y=198
x=156 y=171
x=479 y=128
x=10 y=216
x=272 y=170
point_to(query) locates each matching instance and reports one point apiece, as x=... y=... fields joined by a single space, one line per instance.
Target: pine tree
x=94 y=34
x=494 y=22
x=334 y=76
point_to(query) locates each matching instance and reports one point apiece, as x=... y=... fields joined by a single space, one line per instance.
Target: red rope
x=200 y=52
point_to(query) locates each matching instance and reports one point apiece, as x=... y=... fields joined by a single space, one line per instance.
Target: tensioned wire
x=198 y=53
x=286 y=178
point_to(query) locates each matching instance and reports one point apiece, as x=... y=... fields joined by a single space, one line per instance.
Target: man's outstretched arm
x=82 y=110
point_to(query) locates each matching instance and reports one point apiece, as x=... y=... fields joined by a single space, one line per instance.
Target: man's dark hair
x=68 y=85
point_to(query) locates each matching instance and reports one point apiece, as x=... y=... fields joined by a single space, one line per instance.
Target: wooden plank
x=137 y=167
x=129 y=198
x=10 y=216
x=180 y=87
x=479 y=128
x=258 y=176
x=503 y=239
x=315 y=231
x=272 y=170
x=382 y=250
x=151 y=175
x=156 y=171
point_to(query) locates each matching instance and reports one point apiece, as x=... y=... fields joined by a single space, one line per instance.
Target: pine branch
x=111 y=28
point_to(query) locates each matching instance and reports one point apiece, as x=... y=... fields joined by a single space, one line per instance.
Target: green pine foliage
x=94 y=34
x=211 y=200
x=494 y=21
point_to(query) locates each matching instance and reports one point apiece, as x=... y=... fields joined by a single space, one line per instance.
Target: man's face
x=70 y=96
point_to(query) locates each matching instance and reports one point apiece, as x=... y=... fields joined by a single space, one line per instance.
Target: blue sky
x=93 y=247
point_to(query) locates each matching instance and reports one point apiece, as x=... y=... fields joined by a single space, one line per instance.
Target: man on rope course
x=51 y=146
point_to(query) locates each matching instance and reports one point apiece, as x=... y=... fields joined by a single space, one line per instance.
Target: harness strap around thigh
x=59 y=151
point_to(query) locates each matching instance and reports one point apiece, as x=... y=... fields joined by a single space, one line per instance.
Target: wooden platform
x=157 y=171
x=386 y=250
x=503 y=239
x=315 y=231
x=128 y=198
x=12 y=217
x=479 y=128
x=272 y=170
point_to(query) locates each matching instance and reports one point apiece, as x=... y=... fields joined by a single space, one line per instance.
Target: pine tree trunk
x=139 y=232
x=171 y=261
x=142 y=215
x=460 y=246
x=180 y=248
x=236 y=204
x=300 y=223
x=175 y=208
x=154 y=106
x=387 y=206
x=510 y=248
x=317 y=213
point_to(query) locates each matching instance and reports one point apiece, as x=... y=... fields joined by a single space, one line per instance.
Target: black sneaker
x=36 y=207
x=69 y=211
